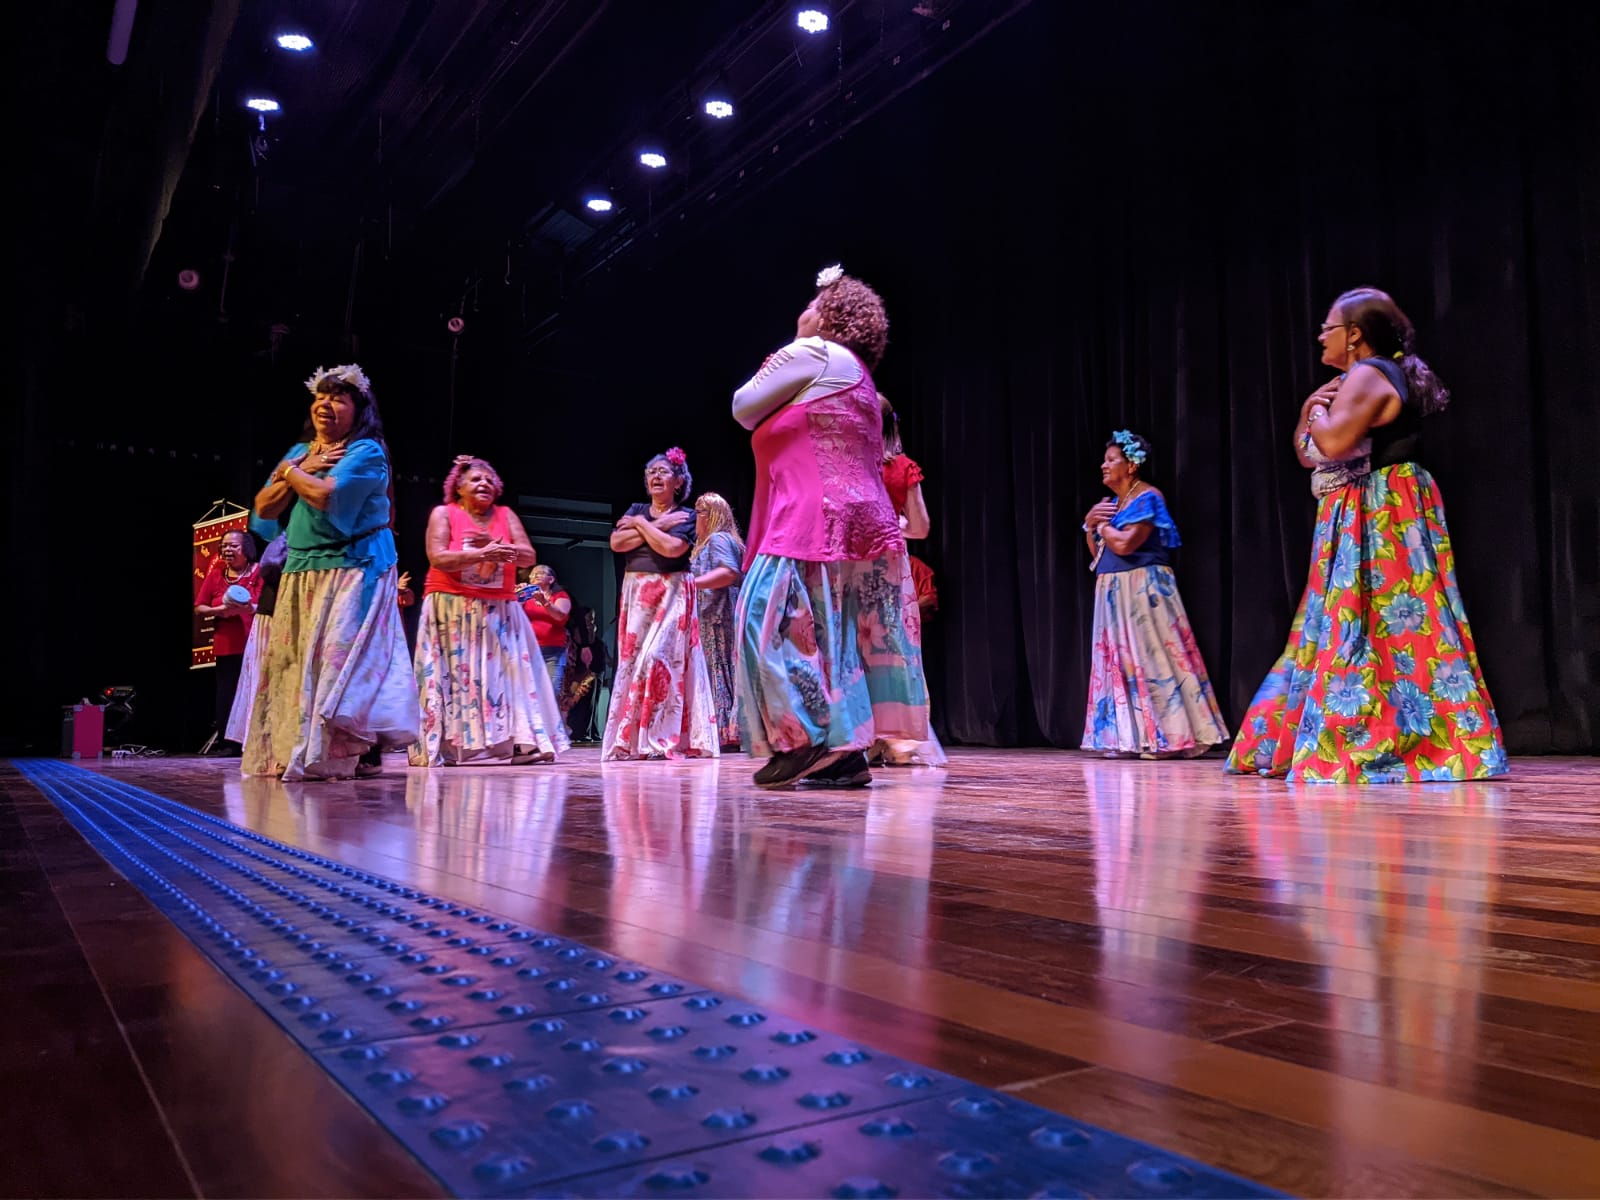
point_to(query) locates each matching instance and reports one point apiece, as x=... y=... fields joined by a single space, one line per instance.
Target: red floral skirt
x=661 y=699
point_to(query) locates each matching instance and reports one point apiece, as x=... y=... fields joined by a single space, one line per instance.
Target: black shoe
x=370 y=763
x=849 y=770
x=790 y=766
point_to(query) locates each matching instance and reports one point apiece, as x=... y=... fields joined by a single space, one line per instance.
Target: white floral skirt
x=244 y=698
x=482 y=683
x=336 y=680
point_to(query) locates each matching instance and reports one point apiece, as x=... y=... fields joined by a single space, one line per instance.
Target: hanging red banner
x=208 y=533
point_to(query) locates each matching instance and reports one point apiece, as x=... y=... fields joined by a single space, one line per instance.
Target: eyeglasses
x=654 y=471
x=1336 y=325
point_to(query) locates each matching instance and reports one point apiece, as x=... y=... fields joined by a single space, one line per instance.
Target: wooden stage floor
x=1333 y=991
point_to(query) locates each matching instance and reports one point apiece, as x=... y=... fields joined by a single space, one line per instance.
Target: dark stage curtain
x=1139 y=220
x=1132 y=216
x=1173 y=279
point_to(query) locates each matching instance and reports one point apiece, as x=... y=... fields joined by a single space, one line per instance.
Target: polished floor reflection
x=1381 y=991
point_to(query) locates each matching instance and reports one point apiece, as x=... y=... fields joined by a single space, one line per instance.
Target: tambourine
x=236 y=594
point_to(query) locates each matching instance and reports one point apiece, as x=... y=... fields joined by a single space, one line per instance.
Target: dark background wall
x=1091 y=220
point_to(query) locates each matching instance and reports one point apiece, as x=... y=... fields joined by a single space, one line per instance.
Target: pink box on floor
x=83 y=730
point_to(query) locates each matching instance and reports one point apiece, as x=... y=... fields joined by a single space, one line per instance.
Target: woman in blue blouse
x=337 y=684
x=1148 y=691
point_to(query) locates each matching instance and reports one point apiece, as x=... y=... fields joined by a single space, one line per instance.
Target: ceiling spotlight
x=597 y=204
x=188 y=279
x=455 y=324
x=812 y=20
x=298 y=42
x=262 y=105
x=653 y=160
x=720 y=109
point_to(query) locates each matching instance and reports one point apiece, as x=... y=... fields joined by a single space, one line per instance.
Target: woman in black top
x=1380 y=681
x=661 y=700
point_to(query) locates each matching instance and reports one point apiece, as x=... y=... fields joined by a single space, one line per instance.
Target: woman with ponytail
x=1379 y=682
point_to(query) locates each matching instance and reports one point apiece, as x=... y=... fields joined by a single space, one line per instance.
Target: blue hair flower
x=1131 y=445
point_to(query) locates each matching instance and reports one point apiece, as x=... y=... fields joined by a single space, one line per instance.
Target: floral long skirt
x=1379 y=682
x=1148 y=689
x=337 y=678
x=244 y=697
x=482 y=683
x=830 y=653
x=661 y=702
x=719 y=633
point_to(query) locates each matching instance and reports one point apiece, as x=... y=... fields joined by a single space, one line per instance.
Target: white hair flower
x=349 y=374
x=829 y=276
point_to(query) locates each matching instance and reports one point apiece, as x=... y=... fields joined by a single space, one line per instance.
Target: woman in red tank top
x=484 y=691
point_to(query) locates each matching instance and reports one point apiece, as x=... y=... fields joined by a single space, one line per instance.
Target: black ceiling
x=463 y=135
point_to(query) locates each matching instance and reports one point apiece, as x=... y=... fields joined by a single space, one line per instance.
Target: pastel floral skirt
x=482 y=683
x=1380 y=680
x=661 y=701
x=244 y=698
x=1148 y=688
x=336 y=680
x=830 y=653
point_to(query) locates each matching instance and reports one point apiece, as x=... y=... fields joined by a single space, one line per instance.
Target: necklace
x=1137 y=484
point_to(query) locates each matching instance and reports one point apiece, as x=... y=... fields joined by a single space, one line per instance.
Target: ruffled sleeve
x=268 y=529
x=357 y=478
x=720 y=551
x=914 y=474
x=1149 y=506
x=781 y=378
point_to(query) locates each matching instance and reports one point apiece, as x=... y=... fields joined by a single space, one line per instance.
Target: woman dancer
x=1148 y=690
x=715 y=561
x=1379 y=682
x=661 y=702
x=484 y=691
x=233 y=620
x=830 y=655
x=269 y=570
x=341 y=687
x=902 y=479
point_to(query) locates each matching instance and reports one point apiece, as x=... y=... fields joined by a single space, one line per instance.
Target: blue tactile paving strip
x=512 y=1062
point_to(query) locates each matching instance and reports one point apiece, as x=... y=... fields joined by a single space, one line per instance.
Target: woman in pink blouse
x=830 y=656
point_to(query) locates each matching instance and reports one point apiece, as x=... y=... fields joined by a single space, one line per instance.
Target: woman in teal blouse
x=337 y=685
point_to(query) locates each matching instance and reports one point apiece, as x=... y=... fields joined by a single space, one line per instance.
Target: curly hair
x=464 y=465
x=1390 y=333
x=852 y=315
x=719 y=519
